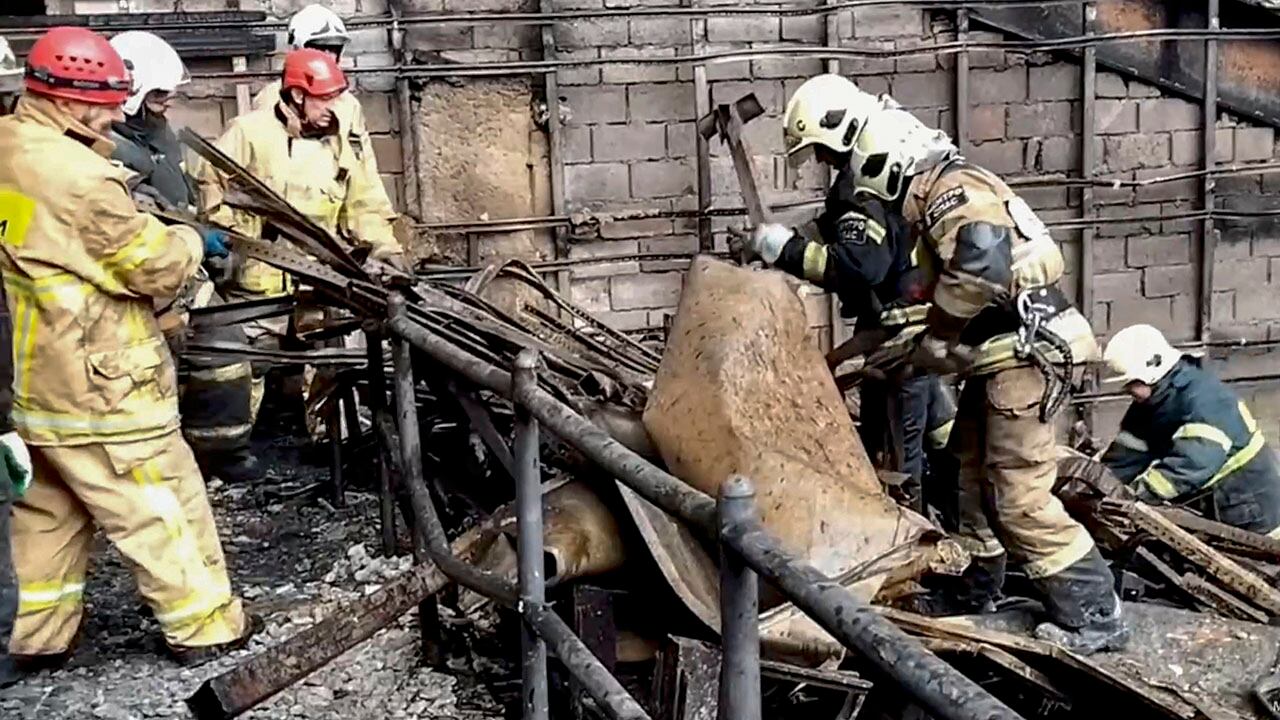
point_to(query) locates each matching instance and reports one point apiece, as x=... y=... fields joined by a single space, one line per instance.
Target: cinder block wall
x=629 y=143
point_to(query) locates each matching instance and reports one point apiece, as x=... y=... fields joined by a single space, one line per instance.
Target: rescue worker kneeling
x=1187 y=439
x=95 y=395
x=300 y=148
x=998 y=319
x=215 y=395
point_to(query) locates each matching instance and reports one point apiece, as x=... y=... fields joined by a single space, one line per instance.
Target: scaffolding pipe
x=739 y=612
x=533 y=591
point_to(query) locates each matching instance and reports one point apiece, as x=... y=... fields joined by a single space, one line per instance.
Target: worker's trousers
x=1008 y=463
x=8 y=579
x=149 y=500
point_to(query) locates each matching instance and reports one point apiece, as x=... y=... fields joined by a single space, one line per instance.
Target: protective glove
x=935 y=356
x=17 y=461
x=215 y=243
x=765 y=242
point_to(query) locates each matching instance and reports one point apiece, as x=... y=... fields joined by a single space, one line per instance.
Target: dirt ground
x=292 y=557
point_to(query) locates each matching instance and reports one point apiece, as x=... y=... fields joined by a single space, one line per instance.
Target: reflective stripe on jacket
x=322 y=177
x=83 y=272
x=1192 y=435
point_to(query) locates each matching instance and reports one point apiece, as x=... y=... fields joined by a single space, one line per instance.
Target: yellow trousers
x=148 y=497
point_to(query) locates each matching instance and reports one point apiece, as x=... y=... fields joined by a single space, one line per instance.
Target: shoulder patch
x=943 y=204
x=852 y=229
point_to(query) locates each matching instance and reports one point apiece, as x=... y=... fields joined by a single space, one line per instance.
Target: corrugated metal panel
x=1248 y=70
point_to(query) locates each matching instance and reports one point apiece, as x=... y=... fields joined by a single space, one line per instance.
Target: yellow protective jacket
x=981 y=245
x=83 y=272
x=329 y=179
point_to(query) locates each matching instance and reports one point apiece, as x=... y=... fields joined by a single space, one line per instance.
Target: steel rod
x=933 y=684
x=377 y=401
x=337 y=483
x=529 y=543
x=962 y=83
x=739 y=612
x=1208 y=234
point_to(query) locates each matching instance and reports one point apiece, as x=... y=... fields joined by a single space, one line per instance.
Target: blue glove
x=215 y=243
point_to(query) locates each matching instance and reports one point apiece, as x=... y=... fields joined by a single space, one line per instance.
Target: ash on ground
x=293 y=557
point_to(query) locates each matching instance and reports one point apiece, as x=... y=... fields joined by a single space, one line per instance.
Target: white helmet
x=893 y=146
x=827 y=110
x=155 y=65
x=317 y=26
x=10 y=68
x=1140 y=353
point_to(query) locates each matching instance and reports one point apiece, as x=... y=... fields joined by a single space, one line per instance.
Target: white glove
x=768 y=240
x=22 y=455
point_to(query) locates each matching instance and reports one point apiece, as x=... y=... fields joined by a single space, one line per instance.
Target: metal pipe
x=377 y=403
x=739 y=612
x=936 y=686
x=585 y=667
x=962 y=82
x=933 y=684
x=337 y=482
x=1208 y=233
x=529 y=550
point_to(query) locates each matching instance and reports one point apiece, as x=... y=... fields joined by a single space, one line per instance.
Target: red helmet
x=315 y=72
x=77 y=64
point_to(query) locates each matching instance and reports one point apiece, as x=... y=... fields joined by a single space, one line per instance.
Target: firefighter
x=998 y=319
x=300 y=147
x=859 y=250
x=1187 y=439
x=15 y=460
x=215 y=395
x=95 y=394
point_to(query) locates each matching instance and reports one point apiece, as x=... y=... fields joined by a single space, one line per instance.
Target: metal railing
x=747 y=550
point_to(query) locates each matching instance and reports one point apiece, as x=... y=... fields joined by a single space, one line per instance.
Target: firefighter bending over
x=215 y=395
x=860 y=250
x=1187 y=439
x=95 y=394
x=998 y=319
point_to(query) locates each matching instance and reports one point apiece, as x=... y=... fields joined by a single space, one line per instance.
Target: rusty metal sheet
x=742 y=390
x=1248 y=70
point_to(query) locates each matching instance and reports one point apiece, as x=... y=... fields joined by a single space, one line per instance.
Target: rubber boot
x=192 y=656
x=9 y=674
x=1085 y=614
x=241 y=468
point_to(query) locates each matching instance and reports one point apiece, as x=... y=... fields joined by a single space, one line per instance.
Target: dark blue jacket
x=1195 y=441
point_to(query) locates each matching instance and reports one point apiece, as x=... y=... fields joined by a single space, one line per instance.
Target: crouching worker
x=95 y=394
x=1187 y=439
x=15 y=461
x=215 y=395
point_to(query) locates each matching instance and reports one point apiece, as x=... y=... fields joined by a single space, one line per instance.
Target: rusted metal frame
x=337 y=482
x=529 y=549
x=478 y=415
x=1208 y=234
x=555 y=147
x=962 y=82
x=602 y=686
x=593 y=621
x=404 y=111
x=935 y=685
x=702 y=155
x=1088 y=160
x=1227 y=571
x=1221 y=600
x=739 y=612
x=377 y=400
x=1263 y=545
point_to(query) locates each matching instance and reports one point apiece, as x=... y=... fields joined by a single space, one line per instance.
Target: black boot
x=975 y=592
x=9 y=674
x=241 y=468
x=1085 y=615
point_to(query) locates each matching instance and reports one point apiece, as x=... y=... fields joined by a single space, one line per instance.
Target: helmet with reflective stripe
x=76 y=63
x=154 y=63
x=317 y=26
x=827 y=110
x=893 y=146
x=315 y=72
x=1140 y=353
